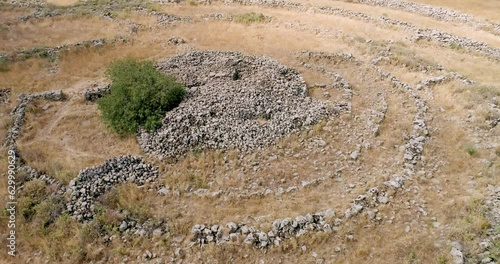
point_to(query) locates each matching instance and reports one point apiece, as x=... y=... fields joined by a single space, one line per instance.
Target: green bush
x=472 y=151
x=140 y=96
x=4 y=66
x=249 y=18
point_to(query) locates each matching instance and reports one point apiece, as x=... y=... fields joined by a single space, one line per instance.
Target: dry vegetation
x=461 y=159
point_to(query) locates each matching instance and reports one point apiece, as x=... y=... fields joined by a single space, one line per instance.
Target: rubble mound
x=233 y=101
x=95 y=181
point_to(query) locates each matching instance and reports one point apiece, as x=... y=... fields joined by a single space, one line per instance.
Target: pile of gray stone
x=164 y=18
x=377 y=116
x=167 y=1
x=5 y=95
x=281 y=229
x=96 y=91
x=95 y=181
x=217 y=17
x=174 y=41
x=335 y=58
x=368 y=203
x=233 y=101
x=147 y=228
x=270 y=3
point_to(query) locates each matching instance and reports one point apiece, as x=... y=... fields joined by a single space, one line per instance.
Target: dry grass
x=68 y=137
x=63 y=2
x=131 y=198
x=50 y=32
x=9 y=16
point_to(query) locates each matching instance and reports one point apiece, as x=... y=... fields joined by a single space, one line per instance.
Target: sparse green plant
x=249 y=18
x=33 y=193
x=360 y=39
x=442 y=260
x=192 y=2
x=472 y=151
x=198 y=181
x=455 y=46
x=412 y=257
x=140 y=96
x=4 y=66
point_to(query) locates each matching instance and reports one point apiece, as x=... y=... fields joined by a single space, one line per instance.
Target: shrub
x=140 y=96
x=248 y=18
x=4 y=66
x=472 y=151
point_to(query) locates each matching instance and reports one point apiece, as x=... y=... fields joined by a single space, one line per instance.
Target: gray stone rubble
x=166 y=19
x=97 y=91
x=491 y=235
x=282 y=229
x=5 y=95
x=234 y=101
x=95 y=181
x=148 y=228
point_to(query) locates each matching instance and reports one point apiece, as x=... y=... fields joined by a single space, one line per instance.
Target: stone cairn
x=234 y=101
